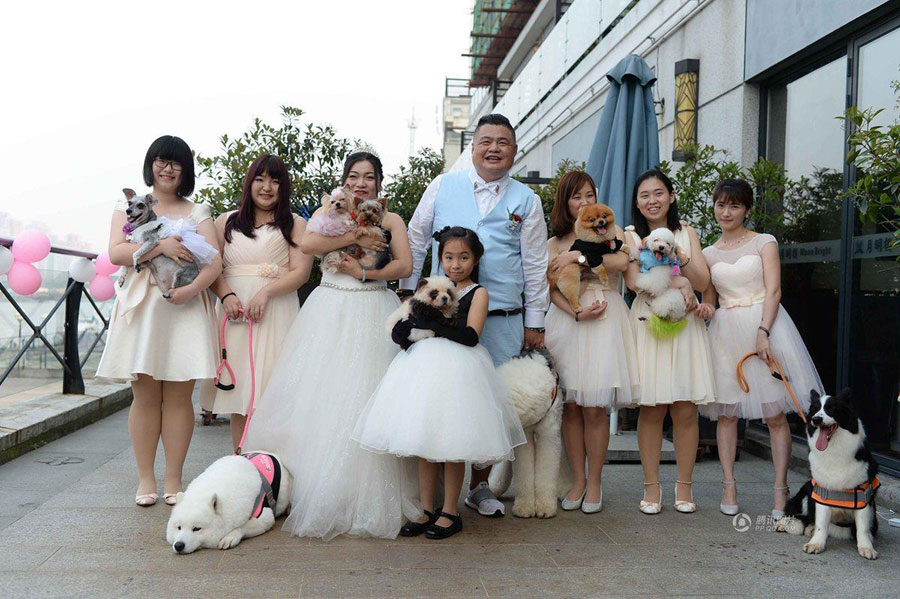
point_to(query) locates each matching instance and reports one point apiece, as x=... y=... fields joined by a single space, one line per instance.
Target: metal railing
x=72 y=364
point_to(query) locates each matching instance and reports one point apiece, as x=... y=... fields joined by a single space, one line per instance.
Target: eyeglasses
x=162 y=164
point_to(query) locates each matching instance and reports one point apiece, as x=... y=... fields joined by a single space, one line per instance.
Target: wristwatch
x=582 y=260
x=536 y=329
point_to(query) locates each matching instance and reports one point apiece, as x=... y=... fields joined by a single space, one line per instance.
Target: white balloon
x=6 y=260
x=82 y=270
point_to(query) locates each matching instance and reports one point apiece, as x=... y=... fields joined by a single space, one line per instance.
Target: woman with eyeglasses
x=162 y=345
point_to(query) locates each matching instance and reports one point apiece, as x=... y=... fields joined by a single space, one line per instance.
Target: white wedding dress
x=334 y=356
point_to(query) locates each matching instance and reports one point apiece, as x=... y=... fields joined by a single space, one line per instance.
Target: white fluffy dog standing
x=216 y=510
x=531 y=383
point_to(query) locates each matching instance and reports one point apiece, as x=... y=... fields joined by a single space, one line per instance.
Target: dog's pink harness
x=270 y=480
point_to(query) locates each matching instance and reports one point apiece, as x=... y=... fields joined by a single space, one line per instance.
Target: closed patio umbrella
x=627 y=139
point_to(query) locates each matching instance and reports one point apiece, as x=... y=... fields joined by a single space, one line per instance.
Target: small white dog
x=531 y=383
x=236 y=497
x=658 y=260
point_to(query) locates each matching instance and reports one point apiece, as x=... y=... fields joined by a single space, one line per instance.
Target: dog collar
x=856 y=498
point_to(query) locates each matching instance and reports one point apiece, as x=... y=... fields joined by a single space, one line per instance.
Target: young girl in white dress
x=594 y=351
x=162 y=345
x=441 y=400
x=746 y=281
x=676 y=373
x=263 y=268
x=334 y=355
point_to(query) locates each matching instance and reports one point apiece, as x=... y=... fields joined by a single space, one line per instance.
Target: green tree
x=547 y=191
x=314 y=155
x=875 y=152
x=405 y=188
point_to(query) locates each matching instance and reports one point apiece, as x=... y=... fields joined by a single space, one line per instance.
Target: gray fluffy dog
x=145 y=229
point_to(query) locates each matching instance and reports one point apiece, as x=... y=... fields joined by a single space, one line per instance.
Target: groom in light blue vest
x=509 y=221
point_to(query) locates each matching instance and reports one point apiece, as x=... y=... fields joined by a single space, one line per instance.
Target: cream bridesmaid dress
x=148 y=335
x=676 y=369
x=249 y=265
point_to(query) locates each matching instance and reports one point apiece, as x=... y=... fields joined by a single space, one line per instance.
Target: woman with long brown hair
x=263 y=268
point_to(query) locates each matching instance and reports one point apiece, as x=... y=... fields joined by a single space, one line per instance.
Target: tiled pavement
x=68 y=529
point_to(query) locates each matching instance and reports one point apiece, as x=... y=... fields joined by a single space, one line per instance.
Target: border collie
x=839 y=501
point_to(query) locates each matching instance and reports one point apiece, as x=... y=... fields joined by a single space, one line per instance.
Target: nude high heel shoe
x=685 y=507
x=779 y=514
x=649 y=507
x=729 y=510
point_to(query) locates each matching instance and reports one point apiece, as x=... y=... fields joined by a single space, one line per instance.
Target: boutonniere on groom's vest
x=515 y=221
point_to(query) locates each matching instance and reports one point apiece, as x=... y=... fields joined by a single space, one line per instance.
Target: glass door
x=874 y=326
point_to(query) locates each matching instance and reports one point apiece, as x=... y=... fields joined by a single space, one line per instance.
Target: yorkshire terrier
x=595 y=233
x=334 y=221
x=369 y=214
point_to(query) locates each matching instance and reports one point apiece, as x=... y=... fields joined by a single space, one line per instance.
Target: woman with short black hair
x=162 y=345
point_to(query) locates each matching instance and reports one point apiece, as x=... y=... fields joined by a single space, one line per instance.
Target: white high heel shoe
x=571 y=505
x=649 y=507
x=779 y=514
x=592 y=508
x=729 y=510
x=685 y=507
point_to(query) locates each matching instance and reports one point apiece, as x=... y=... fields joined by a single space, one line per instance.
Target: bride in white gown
x=334 y=356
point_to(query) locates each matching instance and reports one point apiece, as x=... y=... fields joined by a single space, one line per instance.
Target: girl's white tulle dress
x=442 y=401
x=738 y=278
x=334 y=356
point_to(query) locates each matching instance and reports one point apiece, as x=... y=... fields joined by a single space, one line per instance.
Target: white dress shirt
x=533 y=241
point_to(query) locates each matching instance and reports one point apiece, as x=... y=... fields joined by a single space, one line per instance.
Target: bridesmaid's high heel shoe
x=570 y=505
x=779 y=514
x=729 y=510
x=685 y=507
x=649 y=507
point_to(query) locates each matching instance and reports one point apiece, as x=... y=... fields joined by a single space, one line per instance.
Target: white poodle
x=531 y=383
x=658 y=259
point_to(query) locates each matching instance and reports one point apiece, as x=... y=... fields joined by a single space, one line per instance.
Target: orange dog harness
x=849 y=499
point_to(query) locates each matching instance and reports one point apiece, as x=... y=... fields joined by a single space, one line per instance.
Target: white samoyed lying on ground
x=226 y=503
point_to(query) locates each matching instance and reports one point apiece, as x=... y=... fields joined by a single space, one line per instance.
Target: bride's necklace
x=735 y=242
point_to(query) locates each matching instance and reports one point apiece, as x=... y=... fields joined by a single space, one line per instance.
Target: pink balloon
x=23 y=278
x=102 y=288
x=31 y=246
x=104 y=266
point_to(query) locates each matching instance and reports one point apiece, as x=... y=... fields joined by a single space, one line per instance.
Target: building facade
x=772 y=76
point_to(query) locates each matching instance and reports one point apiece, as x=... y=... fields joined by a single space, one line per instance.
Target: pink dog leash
x=223 y=364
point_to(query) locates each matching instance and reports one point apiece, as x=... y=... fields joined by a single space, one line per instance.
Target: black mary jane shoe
x=414 y=529
x=442 y=532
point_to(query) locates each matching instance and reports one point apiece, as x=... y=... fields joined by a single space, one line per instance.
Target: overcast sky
x=88 y=85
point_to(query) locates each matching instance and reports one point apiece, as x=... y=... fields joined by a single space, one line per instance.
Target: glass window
x=805 y=136
x=814 y=138
x=875 y=303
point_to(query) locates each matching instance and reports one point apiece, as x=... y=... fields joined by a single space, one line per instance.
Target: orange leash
x=776 y=371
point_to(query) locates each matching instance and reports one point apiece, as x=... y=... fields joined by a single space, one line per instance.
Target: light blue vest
x=500 y=270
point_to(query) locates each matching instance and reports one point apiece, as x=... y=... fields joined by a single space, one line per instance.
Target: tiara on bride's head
x=364 y=148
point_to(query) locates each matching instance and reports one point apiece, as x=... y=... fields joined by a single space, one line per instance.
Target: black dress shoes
x=442 y=532
x=414 y=529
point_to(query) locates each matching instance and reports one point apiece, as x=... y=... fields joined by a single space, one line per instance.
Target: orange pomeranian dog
x=595 y=232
